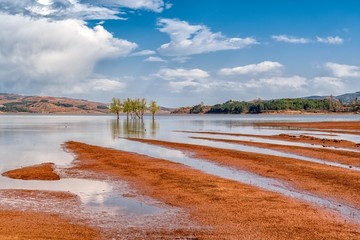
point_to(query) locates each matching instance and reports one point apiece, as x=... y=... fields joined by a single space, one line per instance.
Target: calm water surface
x=32 y=139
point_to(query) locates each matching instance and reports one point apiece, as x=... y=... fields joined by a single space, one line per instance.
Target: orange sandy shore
x=293 y=138
x=232 y=210
x=313 y=177
x=35 y=225
x=351 y=125
x=43 y=171
x=223 y=208
x=334 y=127
x=350 y=158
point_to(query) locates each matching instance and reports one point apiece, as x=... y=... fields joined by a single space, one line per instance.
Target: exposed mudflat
x=316 y=178
x=19 y=222
x=325 y=142
x=349 y=158
x=338 y=127
x=188 y=203
x=43 y=171
x=228 y=209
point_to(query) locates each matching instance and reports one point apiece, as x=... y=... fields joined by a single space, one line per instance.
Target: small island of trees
x=134 y=108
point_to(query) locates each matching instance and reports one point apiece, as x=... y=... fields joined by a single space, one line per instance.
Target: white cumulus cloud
x=58 y=9
x=144 y=53
x=263 y=67
x=342 y=70
x=154 y=59
x=38 y=54
x=299 y=40
x=180 y=79
x=290 y=39
x=104 y=84
x=330 y=40
x=79 y=9
x=179 y=86
x=182 y=74
x=279 y=83
x=189 y=39
x=327 y=85
x=153 y=5
x=90 y=85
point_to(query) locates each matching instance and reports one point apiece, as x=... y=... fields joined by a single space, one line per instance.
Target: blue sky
x=179 y=52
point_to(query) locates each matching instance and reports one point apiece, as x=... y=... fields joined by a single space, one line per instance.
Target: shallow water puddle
x=260 y=139
x=252 y=149
x=119 y=205
x=319 y=133
x=92 y=193
x=245 y=177
x=244 y=147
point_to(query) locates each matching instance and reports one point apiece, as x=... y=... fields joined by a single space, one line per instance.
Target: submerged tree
x=135 y=108
x=154 y=108
x=127 y=107
x=135 y=105
x=115 y=107
x=142 y=107
x=138 y=107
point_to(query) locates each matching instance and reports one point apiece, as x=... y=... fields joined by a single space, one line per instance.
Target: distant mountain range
x=344 y=98
x=14 y=103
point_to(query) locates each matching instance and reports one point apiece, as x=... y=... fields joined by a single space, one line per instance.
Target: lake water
x=33 y=139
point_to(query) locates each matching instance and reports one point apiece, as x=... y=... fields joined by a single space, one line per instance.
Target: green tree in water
x=154 y=108
x=127 y=107
x=116 y=107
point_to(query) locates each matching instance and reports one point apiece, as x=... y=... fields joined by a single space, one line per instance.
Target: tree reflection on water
x=135 y=128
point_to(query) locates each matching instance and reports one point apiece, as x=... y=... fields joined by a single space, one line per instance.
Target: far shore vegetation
x=327 y=105
x=136 y=108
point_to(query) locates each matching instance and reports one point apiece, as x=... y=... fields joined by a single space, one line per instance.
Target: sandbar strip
x=348 y=158
x=43 y=171
x=319 y=179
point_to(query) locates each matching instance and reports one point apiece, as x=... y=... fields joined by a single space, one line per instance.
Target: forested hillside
x=313 y=105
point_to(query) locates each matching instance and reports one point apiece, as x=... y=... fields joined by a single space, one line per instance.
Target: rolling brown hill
x=14 y=103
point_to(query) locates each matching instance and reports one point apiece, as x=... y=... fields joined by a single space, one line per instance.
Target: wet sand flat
x=43 y=171
x=19 y=222
x=317 y=178
x=229 y=209
x=35 y=225
x=349 y=158
x=216 y=208
x=351 y=125
x=335 y=127
x=325 y=142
